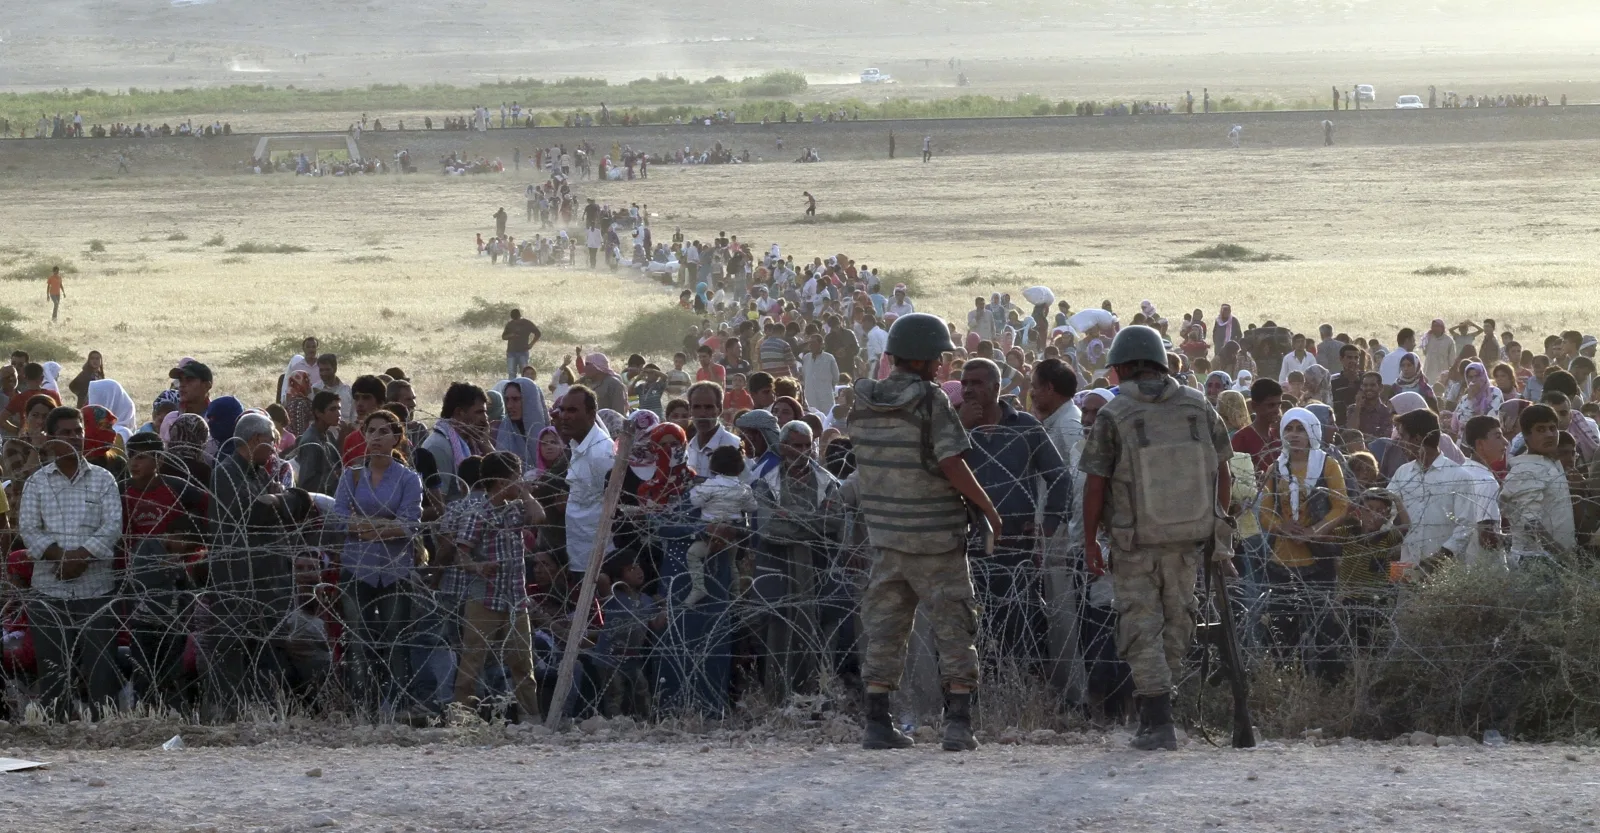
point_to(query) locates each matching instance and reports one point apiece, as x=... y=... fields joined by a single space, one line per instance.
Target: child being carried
x=723 y=499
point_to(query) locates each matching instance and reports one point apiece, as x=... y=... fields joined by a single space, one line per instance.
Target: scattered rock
x=1111 y=773
x=1011 y=735
x=925 y=734
x=592 y=725
x=537 y=730
x=1444 y=740
x=1422 y=739
x=1312 y=734
x=200 y=828
x=314 y=772
x=1042 y=736
x=322 y=820
x=1572 y=756
x=97 y=782
x=1400 y=770
x=705 y=747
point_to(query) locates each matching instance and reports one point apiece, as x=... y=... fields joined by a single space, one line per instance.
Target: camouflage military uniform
x=1155 y=585
x=917 y=522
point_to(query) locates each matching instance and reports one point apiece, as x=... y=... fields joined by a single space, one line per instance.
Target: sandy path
x=618 y=786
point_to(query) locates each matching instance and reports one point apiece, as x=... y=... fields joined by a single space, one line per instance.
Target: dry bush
x=657 y=331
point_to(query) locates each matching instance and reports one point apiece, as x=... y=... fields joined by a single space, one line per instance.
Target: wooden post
x=580 y=618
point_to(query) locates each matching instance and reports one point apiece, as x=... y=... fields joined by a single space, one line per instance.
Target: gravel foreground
x=596 y=779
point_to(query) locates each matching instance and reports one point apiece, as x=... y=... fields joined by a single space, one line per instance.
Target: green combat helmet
x=1137 y=343
x=919 y=336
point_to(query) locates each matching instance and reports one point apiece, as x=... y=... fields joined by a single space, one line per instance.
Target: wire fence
x=220 y=612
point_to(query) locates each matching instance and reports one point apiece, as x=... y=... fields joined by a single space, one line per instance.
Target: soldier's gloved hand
x=1093 y=559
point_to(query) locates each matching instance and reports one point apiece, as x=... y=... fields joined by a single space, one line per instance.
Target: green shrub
x=278 y=351
x=656 y=332
x=250 y=248
x=177 y=237
x=35 y=268
x=215 y=240
x=1232 y=252
x=486 y=314
x=97 y=245
x=38 y=348
x=835 y=217
x=1433 y=270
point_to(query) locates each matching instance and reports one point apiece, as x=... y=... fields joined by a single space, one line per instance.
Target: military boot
x=1159 y=731
x=1141 y=728
x=881 y=732
x=958 y=723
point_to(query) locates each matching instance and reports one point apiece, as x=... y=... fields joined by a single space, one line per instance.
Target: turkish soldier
x=914 y=488
x=1156 y=460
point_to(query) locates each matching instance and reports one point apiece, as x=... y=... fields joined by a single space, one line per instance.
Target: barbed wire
x=260 y=610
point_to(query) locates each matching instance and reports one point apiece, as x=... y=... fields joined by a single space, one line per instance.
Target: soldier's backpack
x=1171 y=467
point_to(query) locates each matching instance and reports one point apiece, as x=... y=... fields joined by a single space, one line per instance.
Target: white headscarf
x=1242 y=385
x=109 y=394
x=1102 y=394
x=51 y=371
x=1314 y=460
x=296 y=362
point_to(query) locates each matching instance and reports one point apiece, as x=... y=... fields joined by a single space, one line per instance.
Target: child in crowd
x=722 y=499
x=649 y=388
x=736 y=398
x=678 y=379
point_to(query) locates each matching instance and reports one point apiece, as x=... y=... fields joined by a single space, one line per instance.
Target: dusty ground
x=393 y=256
x=1077 y=783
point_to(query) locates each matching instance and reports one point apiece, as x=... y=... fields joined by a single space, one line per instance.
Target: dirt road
x=681 y=785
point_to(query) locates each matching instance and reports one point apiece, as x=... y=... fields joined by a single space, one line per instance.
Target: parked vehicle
x=873 y=75
x=1365 y=92
x=1409 y=102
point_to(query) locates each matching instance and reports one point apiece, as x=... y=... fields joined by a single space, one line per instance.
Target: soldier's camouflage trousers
x=941 y=586
x=1156 y=609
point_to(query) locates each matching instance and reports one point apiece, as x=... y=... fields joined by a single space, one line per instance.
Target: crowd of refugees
x=336 y=548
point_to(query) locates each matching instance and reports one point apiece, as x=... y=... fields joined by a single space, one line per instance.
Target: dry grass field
x=391 y=259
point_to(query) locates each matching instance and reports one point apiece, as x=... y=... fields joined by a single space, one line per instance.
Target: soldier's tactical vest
x=1163 y=490
x=906 y=500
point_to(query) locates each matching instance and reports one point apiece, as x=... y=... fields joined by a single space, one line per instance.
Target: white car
x=1365 y=92
x=1409 y=102
x=874 y=75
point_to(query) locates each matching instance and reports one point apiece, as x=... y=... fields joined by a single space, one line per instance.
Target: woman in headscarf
x=702 y=298
x=549 y=486
x=525 y=416
x=1243 y=380
x=1510 y=414
x=1392 y=457
x=1235 y=412
x=52 y=372
x=110 y=395
x=1317 y=384
x=495 y=406
x=594 y=370
x=100 y=441
x=167 y=401
x=1216 y=382
x=1411 y=381
x=1480 y=397
x=221 y=416
x=187 y=436
x=1303 y=501
x=94 y=368
x=297 y=401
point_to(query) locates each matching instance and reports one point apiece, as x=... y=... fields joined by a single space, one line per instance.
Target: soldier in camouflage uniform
x=1156 y=460
x=914 y=487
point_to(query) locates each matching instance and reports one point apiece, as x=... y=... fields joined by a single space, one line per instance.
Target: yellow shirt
x=1292 y=552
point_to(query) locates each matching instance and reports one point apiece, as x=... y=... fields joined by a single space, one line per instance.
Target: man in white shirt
x=877 y=342
x=980 y=321
x=819 y=373
x=70 y=520
x=1436 y=494
x=1486 y=442
x=1390 y=368
x=705 y=409
x=592 y=455
x=328 y=379
x=1536 y=498
x=1298 y=359
x=900 y=305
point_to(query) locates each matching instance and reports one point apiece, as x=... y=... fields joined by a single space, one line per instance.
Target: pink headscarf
x=165 y=429
x=599 y=362
x=952 y=389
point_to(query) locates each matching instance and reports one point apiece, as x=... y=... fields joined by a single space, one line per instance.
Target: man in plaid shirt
x=490 y=552
x=71 y=520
